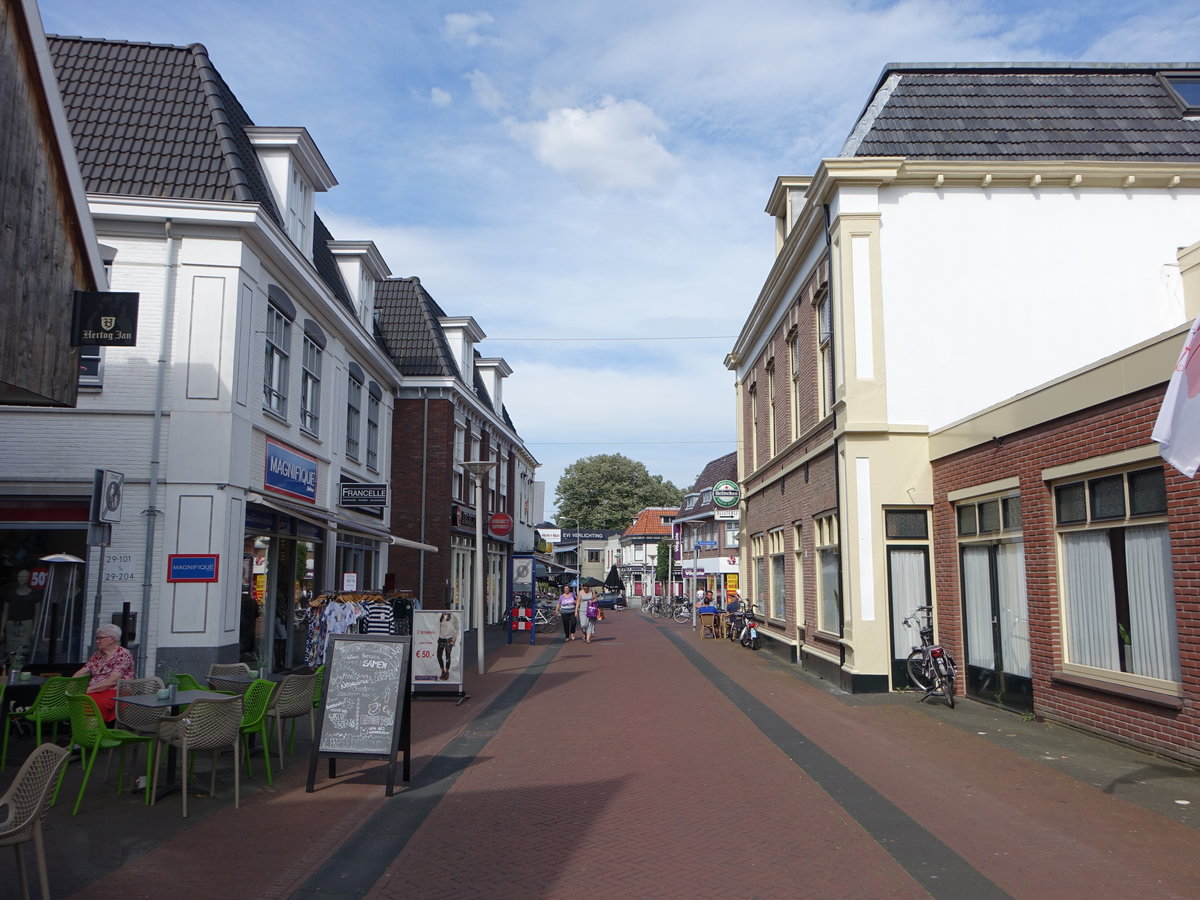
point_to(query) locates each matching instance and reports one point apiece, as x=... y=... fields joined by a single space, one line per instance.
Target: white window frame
x=310 y=387
x=824 y=319
x=778 y=570
x=828 y=549
x=373 y=411
x=354 y=389
x=275 y=363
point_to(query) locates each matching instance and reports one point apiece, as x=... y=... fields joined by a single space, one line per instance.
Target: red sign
x=500 y=523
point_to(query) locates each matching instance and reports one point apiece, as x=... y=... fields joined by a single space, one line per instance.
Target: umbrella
x=589 y=581
x=614 y=580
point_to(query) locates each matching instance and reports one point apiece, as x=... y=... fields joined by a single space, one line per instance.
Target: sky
x=587 y=179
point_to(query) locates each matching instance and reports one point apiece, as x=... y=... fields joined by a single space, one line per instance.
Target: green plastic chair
x=320 y=673
x=90 y=732
x=256 y=700
x=185 y=682
x=49 y=706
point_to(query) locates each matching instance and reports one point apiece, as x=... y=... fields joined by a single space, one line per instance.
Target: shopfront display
x=281 y=569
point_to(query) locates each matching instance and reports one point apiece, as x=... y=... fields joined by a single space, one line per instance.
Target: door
x=996 y=624
x=908 y=589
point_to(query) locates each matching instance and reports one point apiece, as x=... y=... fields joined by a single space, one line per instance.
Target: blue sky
x=576 y=175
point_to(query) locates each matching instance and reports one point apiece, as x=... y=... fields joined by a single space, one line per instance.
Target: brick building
x=706 y=537
x=451 y=400
x=983 y=230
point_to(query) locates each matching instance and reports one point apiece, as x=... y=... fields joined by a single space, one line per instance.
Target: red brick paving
x=625 y=773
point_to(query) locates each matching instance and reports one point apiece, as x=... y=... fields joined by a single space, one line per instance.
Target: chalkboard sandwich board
x=365 y=703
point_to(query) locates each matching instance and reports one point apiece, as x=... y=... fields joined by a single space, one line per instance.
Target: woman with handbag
x=591 y=613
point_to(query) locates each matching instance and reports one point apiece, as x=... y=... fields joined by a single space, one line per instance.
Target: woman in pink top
x=109 y=664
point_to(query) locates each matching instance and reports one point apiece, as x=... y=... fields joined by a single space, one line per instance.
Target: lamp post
x=478 y=469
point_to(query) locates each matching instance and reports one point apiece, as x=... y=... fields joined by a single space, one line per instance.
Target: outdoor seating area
x=171 y=721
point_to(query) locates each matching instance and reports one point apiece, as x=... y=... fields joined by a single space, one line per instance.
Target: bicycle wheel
x=943 y=670
x=916 y=671
x=545 y=623
x=682 y=614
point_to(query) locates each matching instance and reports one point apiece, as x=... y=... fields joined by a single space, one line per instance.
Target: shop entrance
x=278 y=578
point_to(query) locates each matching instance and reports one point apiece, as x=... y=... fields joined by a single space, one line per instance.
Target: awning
x=324 y=518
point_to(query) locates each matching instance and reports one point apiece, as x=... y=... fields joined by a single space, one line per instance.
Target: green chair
x=49 y=706
x=256 y=700
x=185 y=682
x=320 y=673
x=90 y=732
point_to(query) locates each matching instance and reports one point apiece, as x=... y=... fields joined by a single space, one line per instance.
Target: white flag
x=1178 y=427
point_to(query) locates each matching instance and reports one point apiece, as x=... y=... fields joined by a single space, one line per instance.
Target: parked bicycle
x=681 y=610
x=929 y=666
x=748 y=634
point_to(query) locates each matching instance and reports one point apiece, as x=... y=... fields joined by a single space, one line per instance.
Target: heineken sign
x=726 y=494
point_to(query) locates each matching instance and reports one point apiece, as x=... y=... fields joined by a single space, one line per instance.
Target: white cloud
x=486 y=94
x=464 y=27
x=613 y=146
x=439 y=97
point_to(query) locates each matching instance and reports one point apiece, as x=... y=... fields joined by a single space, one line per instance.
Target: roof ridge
x=211 y=82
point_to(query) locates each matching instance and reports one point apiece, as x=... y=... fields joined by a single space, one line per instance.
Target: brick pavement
x=626 y=770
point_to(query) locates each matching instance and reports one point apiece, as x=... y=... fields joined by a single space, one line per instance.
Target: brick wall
x=1107 y=428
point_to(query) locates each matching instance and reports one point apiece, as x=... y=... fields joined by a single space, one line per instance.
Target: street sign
x=705 y=545
x=726 y=515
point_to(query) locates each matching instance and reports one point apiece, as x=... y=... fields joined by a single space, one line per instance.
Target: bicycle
x=929 y=666
x=681 y=611
x=546 y=619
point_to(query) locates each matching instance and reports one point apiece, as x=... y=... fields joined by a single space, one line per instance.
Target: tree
x=608 y=491
x=662 y=565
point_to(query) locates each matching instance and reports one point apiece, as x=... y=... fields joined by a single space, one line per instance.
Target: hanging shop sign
x=726 y=515
x=290 y=472
x=104 y=319
x=500 y=523
x=726 y=494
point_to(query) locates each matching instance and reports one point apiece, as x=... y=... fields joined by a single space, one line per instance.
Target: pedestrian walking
x=591 y=615
x=567 y=607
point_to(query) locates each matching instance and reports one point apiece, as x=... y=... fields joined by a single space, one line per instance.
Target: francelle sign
x=290 y=472
x=500 y=523
x=726 y=494
x=364 y=494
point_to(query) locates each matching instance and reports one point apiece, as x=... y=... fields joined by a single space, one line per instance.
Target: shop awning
x=324 y=518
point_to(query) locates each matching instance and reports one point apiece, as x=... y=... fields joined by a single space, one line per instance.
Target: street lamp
x=478 y=469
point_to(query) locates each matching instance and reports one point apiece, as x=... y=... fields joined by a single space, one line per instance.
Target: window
x=300 y=211
x=90 y=359
x=1185 y=86
x=732 y=535
x=691 y=501
x=829 y=590
x=706 y=497
x=825 y=391
x=798 y=571
x=310 y=388
x=794 y=383
x=373 y=430
x=778 y=608
x=353 y=414
x=593 y=556
x=758 y=544
x=275 y=364
x=1117 y=577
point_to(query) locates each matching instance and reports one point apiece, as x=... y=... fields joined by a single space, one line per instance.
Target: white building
x=256 y=389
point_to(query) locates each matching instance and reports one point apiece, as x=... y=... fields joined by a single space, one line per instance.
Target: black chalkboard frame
x=401 y=733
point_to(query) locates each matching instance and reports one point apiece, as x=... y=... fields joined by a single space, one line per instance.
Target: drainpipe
x=152 y=510
x=424 y=481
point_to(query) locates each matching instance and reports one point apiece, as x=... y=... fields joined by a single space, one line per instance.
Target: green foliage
x=662 y=564
x=608 y=491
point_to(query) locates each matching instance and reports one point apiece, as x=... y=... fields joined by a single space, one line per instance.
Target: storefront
x=32 y=528
x=281 y=570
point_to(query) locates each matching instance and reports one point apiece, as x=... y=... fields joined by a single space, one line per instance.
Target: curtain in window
x=1014 y=610
x=829 y=620
x=1154 y=652
x=909 y=589
x=977 y=603
x=1091 y=606
x=778 y=588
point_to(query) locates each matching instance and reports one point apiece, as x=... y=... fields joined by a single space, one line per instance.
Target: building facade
x=949 y=239
x=256 y=391
x=706 y=536
x=638 y=562
x=452 y=401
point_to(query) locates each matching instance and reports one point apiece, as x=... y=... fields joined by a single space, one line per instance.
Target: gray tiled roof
x=1086 y=112
x=154 y=120
x=408 y=317
x=720 y=469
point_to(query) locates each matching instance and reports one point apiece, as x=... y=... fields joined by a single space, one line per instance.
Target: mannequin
x=18 y=616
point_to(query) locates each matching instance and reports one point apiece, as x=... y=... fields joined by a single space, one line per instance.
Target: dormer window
x=462 y=334
x=295 y=170
x=362 y=267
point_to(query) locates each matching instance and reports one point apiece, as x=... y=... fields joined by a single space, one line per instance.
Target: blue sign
x=290 y=472
x=192 y=567
x=706 y=545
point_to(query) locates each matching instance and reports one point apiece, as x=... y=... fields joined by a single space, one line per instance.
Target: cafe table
x=175 y=701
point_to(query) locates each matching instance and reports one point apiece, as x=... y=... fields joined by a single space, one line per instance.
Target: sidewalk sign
x=437 y=667
x=364 y=712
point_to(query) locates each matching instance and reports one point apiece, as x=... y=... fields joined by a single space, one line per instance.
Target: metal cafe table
x=176 y=702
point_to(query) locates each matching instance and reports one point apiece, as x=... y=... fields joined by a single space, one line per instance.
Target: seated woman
x=109 y=664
